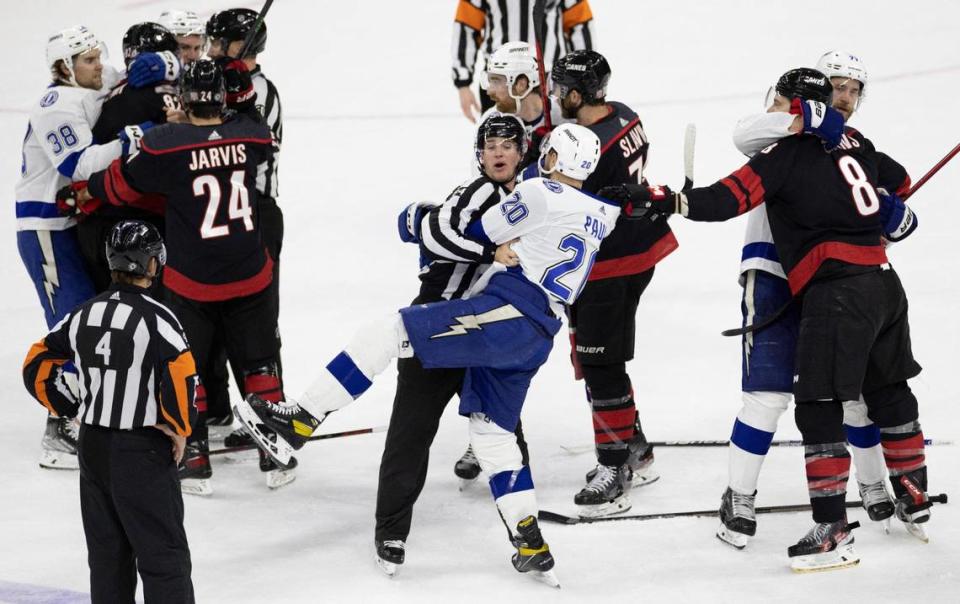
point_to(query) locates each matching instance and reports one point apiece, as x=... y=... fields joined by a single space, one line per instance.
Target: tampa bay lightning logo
x=553 y=186
x=50 y=98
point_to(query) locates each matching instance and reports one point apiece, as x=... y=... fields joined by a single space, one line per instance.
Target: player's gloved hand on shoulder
x=898 y=220
x=131 y=135
x=152 y=68
x=643 y=201
x=74 y=199
x=238 y=83
x=820 y=120
x=410 y=219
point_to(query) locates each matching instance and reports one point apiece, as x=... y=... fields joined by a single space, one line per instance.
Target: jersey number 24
x=238 y=204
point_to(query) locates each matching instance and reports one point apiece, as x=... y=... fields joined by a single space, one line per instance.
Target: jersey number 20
x=238 y=205
x=551 y=276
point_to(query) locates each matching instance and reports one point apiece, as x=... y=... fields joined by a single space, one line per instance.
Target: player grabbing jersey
x=501 y=335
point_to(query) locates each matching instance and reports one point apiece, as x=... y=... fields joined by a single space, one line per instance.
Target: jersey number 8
x=863 y=193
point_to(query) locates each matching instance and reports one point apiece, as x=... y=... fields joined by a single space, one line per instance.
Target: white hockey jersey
x=559 y=229
x=750 y=135
x=58 y=149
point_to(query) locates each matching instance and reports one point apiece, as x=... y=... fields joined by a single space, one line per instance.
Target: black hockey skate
x=640 y=460
x=467 y=467
x=738 y=518
x=389 y=556
x=877 y=502
x=291 y=424
x=237 y=438
x=606 y=493
x=913 y=505
x=58 y=447
x=827 y=546
x=277 y=476
x=195 y=471
x=533 y=553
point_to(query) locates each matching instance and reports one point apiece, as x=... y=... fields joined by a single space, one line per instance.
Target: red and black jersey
x=129 y=106
x=634 y=246
x=820 y=205
x=208 y=175
x=890 y=175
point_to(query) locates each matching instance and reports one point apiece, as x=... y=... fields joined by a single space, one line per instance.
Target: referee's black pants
x=133 y=516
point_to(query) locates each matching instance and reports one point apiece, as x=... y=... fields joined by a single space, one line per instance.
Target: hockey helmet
x=66 y=44
x=501 y=125
x=183 y=23
x=585 y=71
x=512 y=60
x=147 y=37
x=234 y=24
x=577 y=149
x=202 y=85
x=840 y=64
x=802 y=83
x=130 y=246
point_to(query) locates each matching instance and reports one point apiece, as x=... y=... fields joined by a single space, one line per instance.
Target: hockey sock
x=200 y=431
x=903 y=449
x=614 y=411
x=752 y=434
x=828 y=467
x=514 y=495
x=510 y=481
x=264 y=382
x=351 y=372
x=864 y=438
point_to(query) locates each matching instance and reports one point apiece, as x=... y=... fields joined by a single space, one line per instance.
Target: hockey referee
x=122 y=359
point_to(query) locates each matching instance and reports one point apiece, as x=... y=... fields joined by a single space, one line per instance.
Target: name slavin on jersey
x=633 y=141
x=216 y=157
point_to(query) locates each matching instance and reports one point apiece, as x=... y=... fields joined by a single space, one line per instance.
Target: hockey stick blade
x=689 y=144
x=579 y=449
x=343 y=434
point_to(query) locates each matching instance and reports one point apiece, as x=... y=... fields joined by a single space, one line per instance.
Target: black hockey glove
x=642 y=201
x=238 y=83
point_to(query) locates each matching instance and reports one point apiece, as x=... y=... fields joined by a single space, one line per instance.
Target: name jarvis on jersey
x=216 y=157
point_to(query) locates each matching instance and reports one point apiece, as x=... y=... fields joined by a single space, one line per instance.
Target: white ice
x=372 y=124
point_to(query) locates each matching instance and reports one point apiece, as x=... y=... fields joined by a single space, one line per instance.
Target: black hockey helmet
x=585 y=71
x=234 y=24
x=202 y=85
x=501 y=125
x=807 y=84
x=147 y=37
x=130 y=246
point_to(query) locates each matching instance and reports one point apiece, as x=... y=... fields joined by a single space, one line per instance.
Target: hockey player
x=452 y=262
x=825 y=217
x=768 y=354
x=59 y=147
x=191 y=33
x=502 y=335
x=603 y=320
x=219 y=272
x=481 y=24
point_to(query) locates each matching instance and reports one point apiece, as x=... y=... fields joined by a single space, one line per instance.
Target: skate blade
x=612 y=508
x=917 y=531
x=885 y=523
x=842 y=557
x=642 y=478
x=465 y=483
x=200 y=487
x=547 y=577
x=390 y=569
x=280 y=478
x=733 y=538
x=279 y=450
x=59 y=460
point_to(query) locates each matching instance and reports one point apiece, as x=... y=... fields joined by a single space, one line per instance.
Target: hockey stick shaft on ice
x=923 y=179
x=343 y=434
x=539 y=25
x=548 y=516
x=577 y=449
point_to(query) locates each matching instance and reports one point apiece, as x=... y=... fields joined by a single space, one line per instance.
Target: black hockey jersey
x=208 y=175
x=821 y=205
x=128 y=106
x=634 y=246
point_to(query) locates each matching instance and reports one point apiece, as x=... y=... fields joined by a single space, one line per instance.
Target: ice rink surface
x=372 y=123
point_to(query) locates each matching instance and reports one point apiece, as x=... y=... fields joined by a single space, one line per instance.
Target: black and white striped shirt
x=132 y=361
x=268 y=105
x=488 y=24
x=455 y=260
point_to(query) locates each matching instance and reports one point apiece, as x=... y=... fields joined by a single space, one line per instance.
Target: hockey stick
x=256 y=28
x=932 y=171
x=253 y=446
x=539 y=24
x=689 y=141
x=548 y=516
x=578 y=449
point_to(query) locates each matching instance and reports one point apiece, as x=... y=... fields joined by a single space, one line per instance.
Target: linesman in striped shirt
x=121 y=363
x=488 y=24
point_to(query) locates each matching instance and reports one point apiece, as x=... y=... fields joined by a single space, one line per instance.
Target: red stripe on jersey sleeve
x=737 y=192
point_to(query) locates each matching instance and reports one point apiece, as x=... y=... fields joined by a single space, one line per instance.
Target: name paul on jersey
x=216 y=157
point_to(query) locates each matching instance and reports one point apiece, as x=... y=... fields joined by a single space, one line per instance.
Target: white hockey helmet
x=512 y=60
x=68 y=43
x=577 y=149
x=841 y=64
x=183 y=22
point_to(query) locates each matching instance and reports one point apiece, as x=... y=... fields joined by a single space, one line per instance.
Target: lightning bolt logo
x=51 y=280
x=467 y=322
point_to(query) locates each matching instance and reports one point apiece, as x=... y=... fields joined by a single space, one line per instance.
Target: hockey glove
x=130 y=137
x=820 y=120
x=642 y=201
x=898 y=220
x=238 y=83
x=152 y=68
x=410 y=219
x=70 y=201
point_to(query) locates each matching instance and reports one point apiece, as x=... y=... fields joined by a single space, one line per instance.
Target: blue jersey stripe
x=760 y=249
x=863 y=437
x=69 y=165
x=750 y=439
x=37 y=209
x=511 y=481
